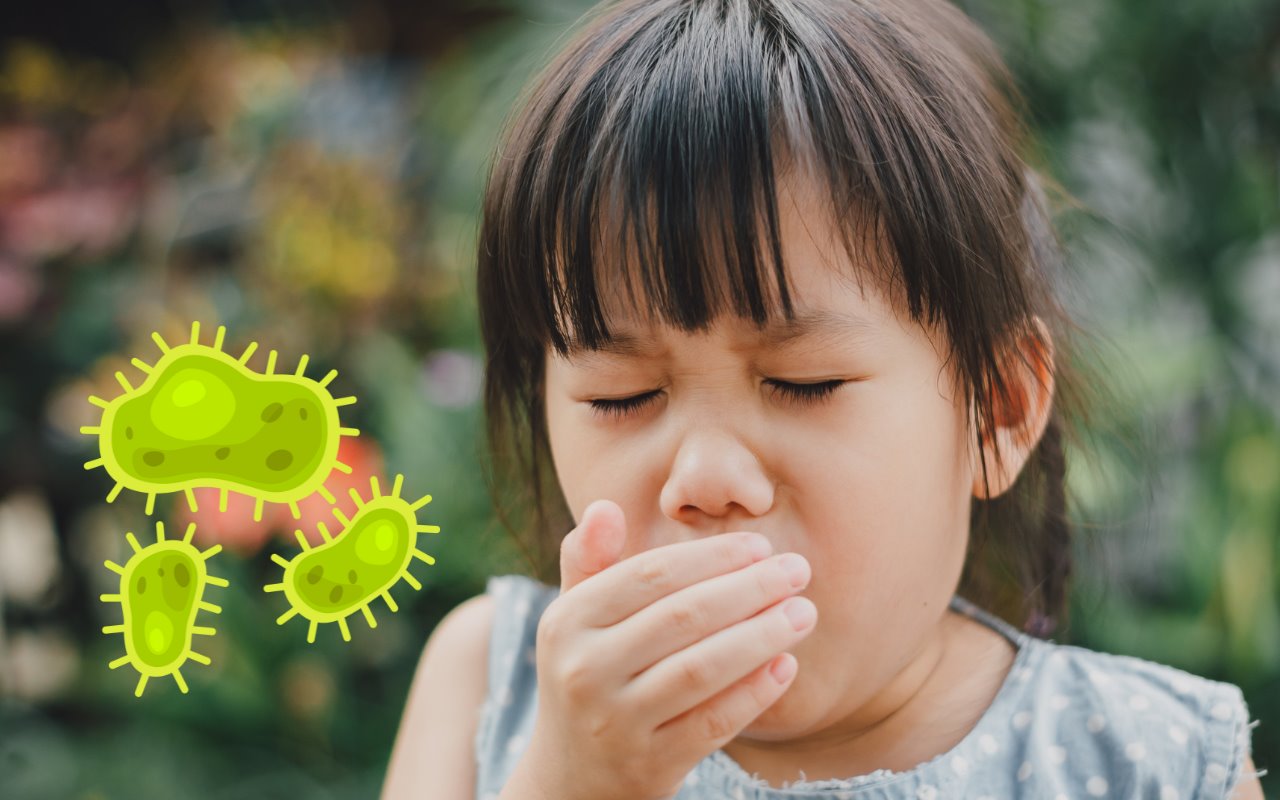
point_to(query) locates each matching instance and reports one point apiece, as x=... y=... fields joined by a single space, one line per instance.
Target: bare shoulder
x=435 y=740
x=1250 y=785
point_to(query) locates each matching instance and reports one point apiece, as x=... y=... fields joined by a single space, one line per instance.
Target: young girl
x=768 y=287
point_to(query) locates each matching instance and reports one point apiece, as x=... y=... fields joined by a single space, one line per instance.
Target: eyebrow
x=814 y=325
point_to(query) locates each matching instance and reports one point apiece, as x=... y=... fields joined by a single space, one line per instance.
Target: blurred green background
x=308 y=175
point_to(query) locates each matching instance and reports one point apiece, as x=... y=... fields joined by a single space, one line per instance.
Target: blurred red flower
x=237 y=531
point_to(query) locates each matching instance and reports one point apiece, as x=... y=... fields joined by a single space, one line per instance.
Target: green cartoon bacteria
x=204 y=419
x=161 y=591
x=371 y=553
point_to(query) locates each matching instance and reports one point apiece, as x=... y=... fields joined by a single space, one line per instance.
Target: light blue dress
x=1067 y=722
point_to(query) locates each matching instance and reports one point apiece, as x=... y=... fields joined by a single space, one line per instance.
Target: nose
x=714 y=471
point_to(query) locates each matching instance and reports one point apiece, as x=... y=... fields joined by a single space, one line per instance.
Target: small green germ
x=161 y=591
x=204 y=419
x=369 y=555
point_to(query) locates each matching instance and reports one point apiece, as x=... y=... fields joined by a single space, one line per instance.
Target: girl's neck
x=926 y=710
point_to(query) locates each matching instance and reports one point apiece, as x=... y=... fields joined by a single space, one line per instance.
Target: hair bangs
x=689 y=126
x=641 y=172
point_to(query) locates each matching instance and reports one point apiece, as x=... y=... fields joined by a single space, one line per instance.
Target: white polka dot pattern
x=1067 y=723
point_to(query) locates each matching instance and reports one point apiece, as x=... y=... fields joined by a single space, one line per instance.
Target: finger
x=634 y=584
x=719 y=719
x=595 y=544
x=691 y=614
x=689 y=677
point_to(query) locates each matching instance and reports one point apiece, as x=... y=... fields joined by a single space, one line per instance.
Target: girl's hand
x=648 y=665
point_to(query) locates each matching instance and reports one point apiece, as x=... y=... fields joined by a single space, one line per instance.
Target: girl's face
x=871 y=483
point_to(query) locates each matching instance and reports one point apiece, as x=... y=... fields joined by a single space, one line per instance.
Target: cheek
x=574 y=451
x=887 y=503
x=895 y=450
x=585 y=469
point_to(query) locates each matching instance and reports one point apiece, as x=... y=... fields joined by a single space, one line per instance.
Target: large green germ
x=204 y=419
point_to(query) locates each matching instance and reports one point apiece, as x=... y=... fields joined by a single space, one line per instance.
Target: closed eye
x=802 y=394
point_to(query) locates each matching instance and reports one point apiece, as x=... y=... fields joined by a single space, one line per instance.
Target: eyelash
x=802 y=394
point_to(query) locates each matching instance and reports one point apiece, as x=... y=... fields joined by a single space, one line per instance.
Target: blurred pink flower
x=452 y=378
x=51 y=223
x=27 y=154
x=19 y=287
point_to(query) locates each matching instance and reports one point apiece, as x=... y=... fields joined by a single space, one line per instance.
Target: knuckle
x=655 y=574
x=685 y=618
x=715 y=725
x=633 y=778
x=576 y=677
x=598 y=726
x=550 y=628
x=694 y=672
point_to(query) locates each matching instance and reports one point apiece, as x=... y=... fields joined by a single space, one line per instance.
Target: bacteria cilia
x=204 y=419
x=370 y=554
x=161 y=591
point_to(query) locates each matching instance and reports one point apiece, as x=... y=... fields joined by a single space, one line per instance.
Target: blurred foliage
x=312 y=182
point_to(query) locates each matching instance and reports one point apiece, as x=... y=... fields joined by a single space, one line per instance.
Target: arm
x=1250 y=786
x=434 y=745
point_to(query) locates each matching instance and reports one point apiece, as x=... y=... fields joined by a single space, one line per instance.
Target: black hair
x=677 y=119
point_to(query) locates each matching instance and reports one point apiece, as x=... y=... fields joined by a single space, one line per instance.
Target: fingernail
x=783 y=668
x=796 y=567
x=800 y=612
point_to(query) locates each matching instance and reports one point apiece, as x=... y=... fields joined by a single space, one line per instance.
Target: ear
x=1021 y=413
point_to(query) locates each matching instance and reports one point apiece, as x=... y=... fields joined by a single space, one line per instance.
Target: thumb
x=594 y=545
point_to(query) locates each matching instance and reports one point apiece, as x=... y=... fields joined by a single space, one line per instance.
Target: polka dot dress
x=1067 y=722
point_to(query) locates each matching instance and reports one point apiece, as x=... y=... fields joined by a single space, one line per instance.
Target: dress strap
x=999 y=625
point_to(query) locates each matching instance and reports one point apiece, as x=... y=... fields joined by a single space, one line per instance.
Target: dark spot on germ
x=160 y=572
x=302 y=413
x=315 y=573
x=181 y=574
x=154 y=458
x=279 y=460
x=128 y=432
x=336 y=594
x=142 y=584
x=221 y=453
x=351 y=576
x=272 y=412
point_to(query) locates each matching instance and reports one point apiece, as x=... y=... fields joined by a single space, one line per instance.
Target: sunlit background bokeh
x=308 y=175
